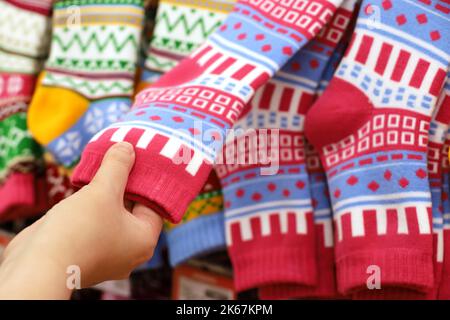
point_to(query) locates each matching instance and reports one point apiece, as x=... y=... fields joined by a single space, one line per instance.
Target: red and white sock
x=377 y=110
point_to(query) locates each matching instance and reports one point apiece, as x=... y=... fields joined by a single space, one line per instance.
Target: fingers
x=149 y=217
x=116 y=166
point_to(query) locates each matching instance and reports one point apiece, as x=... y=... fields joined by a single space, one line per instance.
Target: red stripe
x=383 y=58
x=352 y=42
x=266 y=96
x=242 y=72
x=438 y=82
x=286 y=99
x=260 y=80
x=400 y=65
x=364 y=49
x=202 y=53
x=223 y=66
x=212 y=60
x=306 y=101
x=420 y=72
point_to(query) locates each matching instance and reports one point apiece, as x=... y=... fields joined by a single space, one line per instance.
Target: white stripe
x=392 y=61
x=251 y=76
x=356 y=45
x=423 y=220
x=228 y=233
x=393 y=196
x=268 y=205
x=409 y=70
x=265 y=225
x=195 y=163
x=145 y=139
x=284 y=222
x=215 y=64
x=388 y=206
x=402 y=222
x=381 y=222
x=374 y=53
x=294 y=78
x=328 y=233
x=428 y=78
x=276 y=98
x=206 y=57
x=144 y=125
x=339 y=227
x=171 y=148
x=357 y=220
x=247 y=53
x=440 y=246
x=120 y=134
x=246 y=229
x=301 y=224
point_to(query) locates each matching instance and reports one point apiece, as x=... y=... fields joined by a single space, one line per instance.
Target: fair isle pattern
x=266 y=212
x=180 y=27
x=282 y=104
x=213 y=84
x=94 y=47
x=438 y=130
x=23 y=32
x=377 y=164
x=18 y=150
x=102 y=113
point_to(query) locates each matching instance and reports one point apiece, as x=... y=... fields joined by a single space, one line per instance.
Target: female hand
x=94 y=231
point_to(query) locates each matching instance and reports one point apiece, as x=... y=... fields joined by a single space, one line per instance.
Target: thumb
x=115 y=168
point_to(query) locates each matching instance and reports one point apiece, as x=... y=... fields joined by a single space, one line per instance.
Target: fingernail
x=125 y=147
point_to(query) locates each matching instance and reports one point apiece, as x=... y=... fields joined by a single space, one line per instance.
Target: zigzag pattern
x=88 y=87
x=188 y=26
x=92 y=65
x=94 y=41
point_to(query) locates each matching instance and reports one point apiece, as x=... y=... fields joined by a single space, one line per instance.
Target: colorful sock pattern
x=376 y=157
x=209 y=88
x=202 y=229
x=181 y=26
x=323 y=222
x=89 y=76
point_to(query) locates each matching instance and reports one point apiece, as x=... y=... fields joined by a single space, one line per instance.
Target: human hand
x=94 y=229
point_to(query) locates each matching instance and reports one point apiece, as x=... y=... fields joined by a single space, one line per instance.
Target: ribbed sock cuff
x=16 y=193
x=196 y=237
x=152 y=182
x=272 y=265
x=404 y=268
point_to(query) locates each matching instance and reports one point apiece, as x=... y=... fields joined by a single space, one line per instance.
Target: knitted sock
x=269 y=218
x=326 y=284
x=89 y=76
x=376 y=157
x=444 y=286
x=202 y=229
x=208 y=89
x=181 y=27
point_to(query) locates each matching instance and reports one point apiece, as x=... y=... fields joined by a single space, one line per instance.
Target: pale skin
x=94 y=229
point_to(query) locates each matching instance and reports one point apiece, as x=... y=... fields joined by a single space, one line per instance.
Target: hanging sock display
x=376 y=158
x=89 y=77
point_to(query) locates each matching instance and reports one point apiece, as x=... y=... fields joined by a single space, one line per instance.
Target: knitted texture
x=24 y=29
x=376 y=157
x=181 y=26
x=89 y=76
x=323 y=223
x=273 y=212
x=202 y=229
x=174 y=157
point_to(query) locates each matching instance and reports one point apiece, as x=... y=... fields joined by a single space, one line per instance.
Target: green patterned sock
x=89 y=76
